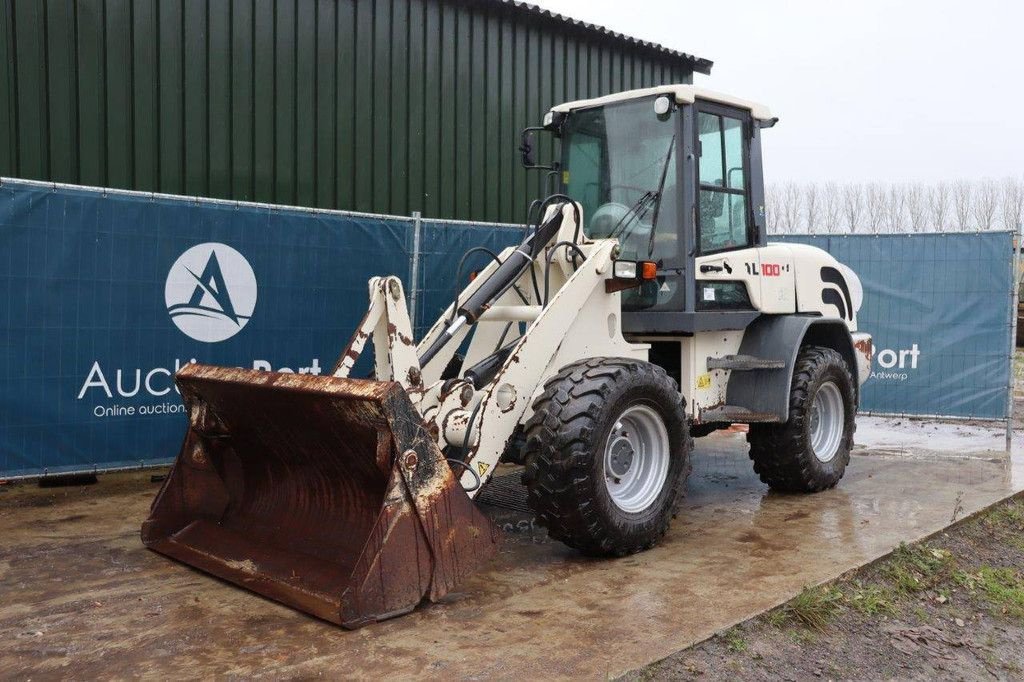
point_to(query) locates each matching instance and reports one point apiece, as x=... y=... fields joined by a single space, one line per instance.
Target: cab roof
x=684 y=93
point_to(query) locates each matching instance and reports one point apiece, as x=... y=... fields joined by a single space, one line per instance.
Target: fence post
x=414 y=269
x=1014 y=303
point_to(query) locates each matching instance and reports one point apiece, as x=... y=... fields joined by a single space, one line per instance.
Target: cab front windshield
x=618 y=162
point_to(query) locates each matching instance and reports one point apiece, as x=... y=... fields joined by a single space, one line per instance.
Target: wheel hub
x=621 y=456
x=826 y=421
x=636 y=458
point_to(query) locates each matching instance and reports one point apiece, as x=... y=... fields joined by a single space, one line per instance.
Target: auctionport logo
x=210 y=292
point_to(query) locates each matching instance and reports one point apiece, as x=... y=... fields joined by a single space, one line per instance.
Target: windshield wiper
x=636 y=212
x=661 y=188
x=649 y=199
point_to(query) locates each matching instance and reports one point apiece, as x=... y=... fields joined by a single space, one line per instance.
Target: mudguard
x=779 y=337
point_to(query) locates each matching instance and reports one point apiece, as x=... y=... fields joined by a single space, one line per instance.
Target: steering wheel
x=609 y=215
x=605 y=218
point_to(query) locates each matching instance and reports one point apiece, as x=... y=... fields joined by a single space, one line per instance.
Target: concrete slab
x=915 y=436
x=80 y=596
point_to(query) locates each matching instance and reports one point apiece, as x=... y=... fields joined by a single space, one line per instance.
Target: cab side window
x=722 y=193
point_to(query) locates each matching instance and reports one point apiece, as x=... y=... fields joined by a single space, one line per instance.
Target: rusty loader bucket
x=326 y=494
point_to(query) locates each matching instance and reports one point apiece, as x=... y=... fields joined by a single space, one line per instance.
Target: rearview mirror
x=526 y=147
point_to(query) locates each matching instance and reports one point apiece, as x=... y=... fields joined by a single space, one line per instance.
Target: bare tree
x=895 y=209
x=874 y=205
x=1012 y=203
x=962 y=199
x=812 y=206
x=915 y=201
x=938 y=206
x=853 y=206
x=790 y=207
x=831 y=207
x=986 y=203
x=772 y=205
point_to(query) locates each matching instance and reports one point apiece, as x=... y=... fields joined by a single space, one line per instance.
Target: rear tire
x=607 y=455
x=809 y=453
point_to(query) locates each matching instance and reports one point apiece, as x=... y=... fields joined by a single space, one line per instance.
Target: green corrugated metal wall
x=387 y=106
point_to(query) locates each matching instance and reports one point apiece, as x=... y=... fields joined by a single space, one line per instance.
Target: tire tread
x=559 y=455
x=781 y=452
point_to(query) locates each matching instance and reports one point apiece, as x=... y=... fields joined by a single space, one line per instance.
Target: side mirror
x=526 y=147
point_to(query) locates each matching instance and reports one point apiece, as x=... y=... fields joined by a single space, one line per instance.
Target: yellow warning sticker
x=565 y=177
x=703 y=381
x=482 y=467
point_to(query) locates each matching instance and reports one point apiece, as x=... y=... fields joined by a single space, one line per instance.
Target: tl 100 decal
x=766 y=269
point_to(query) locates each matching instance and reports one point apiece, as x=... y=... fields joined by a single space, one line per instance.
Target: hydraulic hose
x=458 y=273
x=500 y=281
x=547 y=265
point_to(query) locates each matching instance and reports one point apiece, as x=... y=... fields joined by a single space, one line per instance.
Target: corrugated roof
x=700 y=65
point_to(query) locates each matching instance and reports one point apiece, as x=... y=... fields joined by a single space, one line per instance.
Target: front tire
x=607 y=455
x=809 y=453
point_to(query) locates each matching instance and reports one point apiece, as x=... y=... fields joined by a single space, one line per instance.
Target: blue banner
x=106 y=295
x=938 y=307
x=442 y=246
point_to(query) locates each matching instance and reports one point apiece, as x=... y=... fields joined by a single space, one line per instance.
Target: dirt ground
x=81 y=597
x=951 y=607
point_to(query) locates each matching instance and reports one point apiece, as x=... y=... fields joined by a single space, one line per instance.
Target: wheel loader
x=643 y=307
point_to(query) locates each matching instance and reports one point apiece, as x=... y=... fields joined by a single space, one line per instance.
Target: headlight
x=624 y=269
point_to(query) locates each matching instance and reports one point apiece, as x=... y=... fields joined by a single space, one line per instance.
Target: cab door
x=727 y=266
x=721 y=227
x=724 y=219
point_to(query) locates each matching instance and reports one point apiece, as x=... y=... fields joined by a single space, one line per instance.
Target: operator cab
x=673 y=172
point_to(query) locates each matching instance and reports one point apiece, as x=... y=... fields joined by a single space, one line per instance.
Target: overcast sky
x=864 y=89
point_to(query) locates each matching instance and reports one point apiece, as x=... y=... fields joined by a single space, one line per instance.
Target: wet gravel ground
x=948 y=608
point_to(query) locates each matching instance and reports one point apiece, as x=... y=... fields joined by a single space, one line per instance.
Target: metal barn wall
x=387 y=106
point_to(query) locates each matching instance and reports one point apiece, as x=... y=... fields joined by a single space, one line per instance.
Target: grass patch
x=815 y=607
x=913 y=568
x=776 y=618
x=803 y=636
x=1003 y=588
x=735 y=642
x=910 y=569
x=871 y=600
x=1010 y=514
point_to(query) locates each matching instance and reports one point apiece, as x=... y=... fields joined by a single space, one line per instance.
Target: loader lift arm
x=478 y=421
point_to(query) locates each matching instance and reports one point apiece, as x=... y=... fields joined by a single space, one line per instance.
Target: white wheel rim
x=636 y=459
x=827 y=420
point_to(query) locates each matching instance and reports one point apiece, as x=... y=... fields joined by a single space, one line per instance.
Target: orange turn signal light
x=648 y=270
